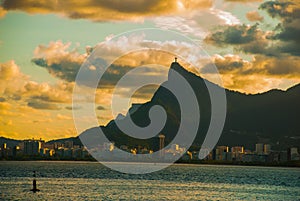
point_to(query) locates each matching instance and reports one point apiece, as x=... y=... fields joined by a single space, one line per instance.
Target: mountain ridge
x=250 y=117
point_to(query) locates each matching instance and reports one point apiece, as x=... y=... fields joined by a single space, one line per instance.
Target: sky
x=254 y=44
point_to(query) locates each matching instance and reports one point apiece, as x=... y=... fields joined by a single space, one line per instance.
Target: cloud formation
x=101 y=108
x=195 y=23
x=245 y=38
x=42 y=105
x=4 y=106
x=2 y=12
x=282 y=39
x=244 y=1
x=103 y=10
x=288 y=31
x=260 y=74
x=59 y=60
x=254 y=16
x=64 y=63
x=15 y=86
x=24 y=102
x=63 y=117
x=260 y=64
x=235 y=35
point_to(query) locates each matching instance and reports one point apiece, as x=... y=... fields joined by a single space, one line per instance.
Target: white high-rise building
x=109 y=146
x=161 y=144
x=175 y=147
x=267 y=148
x=259 y=148
x=294 y=155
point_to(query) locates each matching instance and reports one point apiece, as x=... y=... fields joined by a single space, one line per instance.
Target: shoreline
x=290 y=164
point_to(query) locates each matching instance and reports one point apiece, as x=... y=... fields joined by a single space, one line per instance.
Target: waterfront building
x=68 y=153
x=77 y=153
x=68 y=144
x=59 y=152
x=161 y=141
x=46 y=152
x=259 y=148
x=267 y=148
x=48 y=146
x=4 y=150
x=205 y=154
x=293 y=154
x=259 y=158
x=108 y=146
x=58 y=145
x=16 y=151
x=32 y=147
x=175 y=147
x=283 y=156
x=237 y=153
x=161 y=144
x=220 y=150
x=85 y=153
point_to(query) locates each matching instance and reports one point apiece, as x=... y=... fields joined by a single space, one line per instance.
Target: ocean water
x=93 y=181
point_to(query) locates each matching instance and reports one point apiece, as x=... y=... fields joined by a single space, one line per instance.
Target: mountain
x=9 y=142
x=270 y=117
x=75 y=140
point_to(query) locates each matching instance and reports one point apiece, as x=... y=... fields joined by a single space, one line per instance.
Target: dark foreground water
x=92 y=181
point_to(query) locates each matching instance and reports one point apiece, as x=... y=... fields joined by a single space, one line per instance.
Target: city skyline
x=254 y=44
x=38 y=149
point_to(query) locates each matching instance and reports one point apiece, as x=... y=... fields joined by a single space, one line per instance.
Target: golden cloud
x=261 y=74
x=103 y=10
x=260 y=64
x=9 y=70
x=15 y=86
x=63 y=117
x=254 y=16
x=23 y=100
x=64 y=63
x=2 y=12
x=244 y=1
x=5 y=106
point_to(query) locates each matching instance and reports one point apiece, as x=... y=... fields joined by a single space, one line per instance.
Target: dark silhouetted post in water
x=34 y=188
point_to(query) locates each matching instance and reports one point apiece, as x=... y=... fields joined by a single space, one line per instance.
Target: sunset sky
x=255 y=45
